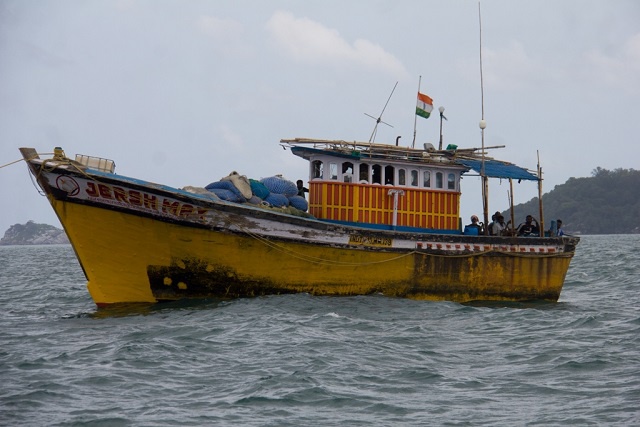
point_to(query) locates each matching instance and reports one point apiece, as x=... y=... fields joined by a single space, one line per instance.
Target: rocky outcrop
x=33 y=234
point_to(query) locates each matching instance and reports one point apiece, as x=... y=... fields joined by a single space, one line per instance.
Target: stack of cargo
x=274 y=191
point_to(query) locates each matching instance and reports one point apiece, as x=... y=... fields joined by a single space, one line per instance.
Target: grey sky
x=184 y=92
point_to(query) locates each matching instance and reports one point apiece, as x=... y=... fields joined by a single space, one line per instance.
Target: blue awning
x=498 y=169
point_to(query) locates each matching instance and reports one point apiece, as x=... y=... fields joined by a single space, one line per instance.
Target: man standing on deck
x=301 y=188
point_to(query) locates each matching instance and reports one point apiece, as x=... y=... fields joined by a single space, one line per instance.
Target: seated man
x=475 y=228
x=527 y=228
x=498 y=227
x=494 y=219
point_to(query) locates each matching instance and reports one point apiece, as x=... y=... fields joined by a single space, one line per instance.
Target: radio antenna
x=483 y=125
x=379 y=118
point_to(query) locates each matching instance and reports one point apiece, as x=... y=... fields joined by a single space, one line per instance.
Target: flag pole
x=415 y=117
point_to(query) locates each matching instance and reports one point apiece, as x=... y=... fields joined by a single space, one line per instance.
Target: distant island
x=605 y=203
x=33 y=234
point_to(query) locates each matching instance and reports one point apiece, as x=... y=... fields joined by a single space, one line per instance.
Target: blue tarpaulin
x=498 y=169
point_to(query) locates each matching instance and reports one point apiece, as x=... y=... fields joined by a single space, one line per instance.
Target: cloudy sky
x=184 y=92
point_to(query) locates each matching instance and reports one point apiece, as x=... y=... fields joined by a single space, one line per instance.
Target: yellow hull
x=135 y=258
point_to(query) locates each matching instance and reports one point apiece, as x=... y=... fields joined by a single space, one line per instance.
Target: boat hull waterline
x=142 y=242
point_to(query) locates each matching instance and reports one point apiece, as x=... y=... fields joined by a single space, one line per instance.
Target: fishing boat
x=379 y=219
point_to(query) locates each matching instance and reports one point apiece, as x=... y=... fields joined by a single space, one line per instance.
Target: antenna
x=483 y=125
x=379 y=118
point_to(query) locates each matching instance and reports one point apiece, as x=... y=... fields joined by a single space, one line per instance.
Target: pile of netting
x=274 y=191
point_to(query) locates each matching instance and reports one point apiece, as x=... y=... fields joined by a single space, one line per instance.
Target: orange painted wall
x=371 y=204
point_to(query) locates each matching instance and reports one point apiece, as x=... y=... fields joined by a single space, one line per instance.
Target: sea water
x=299 y=360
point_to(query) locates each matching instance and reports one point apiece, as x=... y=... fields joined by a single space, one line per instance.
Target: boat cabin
x=382 y=186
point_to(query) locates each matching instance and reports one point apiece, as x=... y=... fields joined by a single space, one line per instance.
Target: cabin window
x=364 y=173
x=376 y=172
x=333 y=171
x=426 y=179
x=316 y=169
x=451 y=181
x=347 y=171
x=402 y=179
x=388 y=175
x=439 y=180
x=414 y=178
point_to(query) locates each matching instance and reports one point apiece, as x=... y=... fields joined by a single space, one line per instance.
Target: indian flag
x=424 y=106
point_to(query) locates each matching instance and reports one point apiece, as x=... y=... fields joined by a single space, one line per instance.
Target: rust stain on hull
x=193 y=278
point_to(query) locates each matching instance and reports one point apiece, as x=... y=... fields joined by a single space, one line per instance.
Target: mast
x=513 y=216
x=541 y=212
